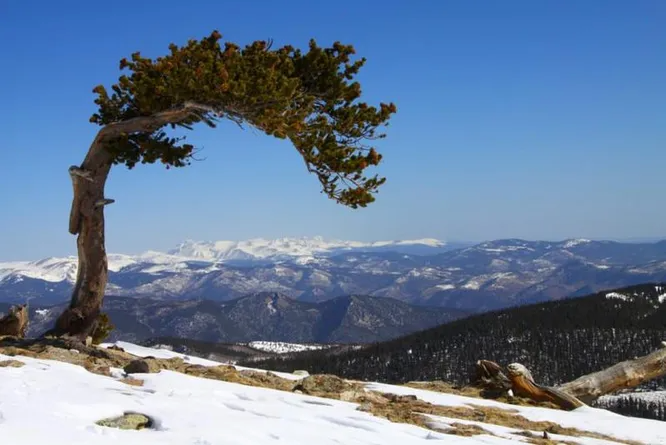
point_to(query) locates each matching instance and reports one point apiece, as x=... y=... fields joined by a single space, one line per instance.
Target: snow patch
x=575 y=242
x=445 y=286
x=282 y=347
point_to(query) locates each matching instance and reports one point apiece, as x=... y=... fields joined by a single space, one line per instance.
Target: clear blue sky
x=532 y=119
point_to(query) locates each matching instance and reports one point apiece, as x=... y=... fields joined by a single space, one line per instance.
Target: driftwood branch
x=148 y=124
x=583 y=390
x=495 y=382
x=623 y=375
x=15 y=322
x=523 y=385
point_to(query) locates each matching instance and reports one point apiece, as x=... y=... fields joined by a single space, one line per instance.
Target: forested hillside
x=558 y=341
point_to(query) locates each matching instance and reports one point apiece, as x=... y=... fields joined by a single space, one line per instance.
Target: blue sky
x=540 y=120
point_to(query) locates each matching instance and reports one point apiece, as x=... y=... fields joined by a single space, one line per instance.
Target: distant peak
x=568 y=244
x=286 y=247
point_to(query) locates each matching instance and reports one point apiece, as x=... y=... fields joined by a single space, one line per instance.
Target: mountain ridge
x=485 y=276
x=260 y=316
x=557 y=341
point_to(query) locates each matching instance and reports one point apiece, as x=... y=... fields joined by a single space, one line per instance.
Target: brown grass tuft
x=132 y=381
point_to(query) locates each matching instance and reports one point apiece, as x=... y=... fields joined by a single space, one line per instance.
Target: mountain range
x=557 y=340
x=262 y=316
x=485 y=276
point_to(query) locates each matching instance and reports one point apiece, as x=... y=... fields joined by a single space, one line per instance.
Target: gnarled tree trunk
x=87 y=221
x=86 y=218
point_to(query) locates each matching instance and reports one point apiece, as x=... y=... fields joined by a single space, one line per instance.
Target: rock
x=128 y=421
x=97 y=367
x=153 y=365
x=398 y=398
x=366 y=407
x=140 y=366
x=11 y=364
x=301 y=372
x=362 y=397
x=324 y=384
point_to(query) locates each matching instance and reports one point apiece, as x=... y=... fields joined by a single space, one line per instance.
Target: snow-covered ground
x=58 y=403
x=279 y=347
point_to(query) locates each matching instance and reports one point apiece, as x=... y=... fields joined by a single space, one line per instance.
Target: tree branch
x=148 y=124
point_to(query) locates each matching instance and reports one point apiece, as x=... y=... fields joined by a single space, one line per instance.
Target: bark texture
x=523 y=385
x=86 y=220
x=15 y=322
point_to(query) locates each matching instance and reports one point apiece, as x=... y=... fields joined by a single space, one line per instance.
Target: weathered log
x=491 y=378
x=583 y=390
x=523 y=385
x=623 y=375
x=15 y=322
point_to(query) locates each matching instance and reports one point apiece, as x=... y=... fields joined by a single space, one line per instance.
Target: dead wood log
x=583 y=390
x=491 y=378
x=15 y=322
x=523 y=385
x=623 y=375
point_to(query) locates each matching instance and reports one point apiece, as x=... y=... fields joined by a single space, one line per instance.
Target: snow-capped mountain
x=290 y=248
x=488 y=275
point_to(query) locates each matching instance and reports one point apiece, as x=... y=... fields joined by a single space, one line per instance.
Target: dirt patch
x=11 y=364
x=467 y=430
x=132 y=381
x=93 y=359
x=447 y=388
x=543 y=439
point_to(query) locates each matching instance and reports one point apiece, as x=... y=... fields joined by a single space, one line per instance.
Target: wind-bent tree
x=310 y=98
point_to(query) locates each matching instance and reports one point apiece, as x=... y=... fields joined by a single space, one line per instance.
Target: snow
x=617 y=296
x=575 y=242
x=52 y=270
x=300 y=250
x=445 y=286
x=282 y=248
x=282 y=347
x=58 y=403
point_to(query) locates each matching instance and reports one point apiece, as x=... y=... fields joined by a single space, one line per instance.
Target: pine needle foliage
x=308 y=97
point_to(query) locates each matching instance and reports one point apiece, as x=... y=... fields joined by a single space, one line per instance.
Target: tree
x=310 y=98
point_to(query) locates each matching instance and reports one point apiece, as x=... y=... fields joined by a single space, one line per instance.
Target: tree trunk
x=15 y=322
x=583 y=390
x=87 y=221
x=86 y=217
x=623 y=375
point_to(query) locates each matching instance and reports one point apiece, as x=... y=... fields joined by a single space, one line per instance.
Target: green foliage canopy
x=308 y=97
